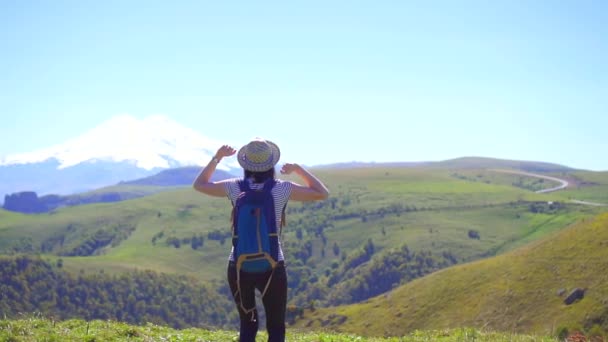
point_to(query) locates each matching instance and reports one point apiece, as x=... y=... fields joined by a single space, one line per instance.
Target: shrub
x=473 y=234
x=562 y=332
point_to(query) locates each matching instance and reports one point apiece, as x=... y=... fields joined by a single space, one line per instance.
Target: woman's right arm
x=313 y=191
x=202 y=182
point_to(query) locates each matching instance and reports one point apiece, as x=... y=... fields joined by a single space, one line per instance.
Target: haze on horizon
x=329 y=82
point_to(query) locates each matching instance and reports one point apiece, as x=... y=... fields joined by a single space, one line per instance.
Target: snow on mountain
x=150 y=143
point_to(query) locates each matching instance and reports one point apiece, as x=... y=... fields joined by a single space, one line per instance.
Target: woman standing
x=258 y=159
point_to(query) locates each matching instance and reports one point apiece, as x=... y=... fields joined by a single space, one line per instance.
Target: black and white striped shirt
x=280 y=193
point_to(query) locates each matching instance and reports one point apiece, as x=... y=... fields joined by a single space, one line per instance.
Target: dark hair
x=259 y=177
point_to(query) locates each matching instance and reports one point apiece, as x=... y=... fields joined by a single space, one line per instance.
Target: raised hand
x=225 y=151
x=288 y=168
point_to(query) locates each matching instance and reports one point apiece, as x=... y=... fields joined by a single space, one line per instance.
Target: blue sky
x=328 y=81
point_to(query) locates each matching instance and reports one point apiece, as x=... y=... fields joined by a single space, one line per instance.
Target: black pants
x=275 y=301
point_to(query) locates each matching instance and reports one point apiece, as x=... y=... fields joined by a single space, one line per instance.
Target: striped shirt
x=280 y=193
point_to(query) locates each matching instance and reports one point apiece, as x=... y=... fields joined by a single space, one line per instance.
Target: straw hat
x=259 y=155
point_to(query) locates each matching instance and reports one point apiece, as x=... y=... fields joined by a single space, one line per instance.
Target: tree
x=197 y=242
x=369 y=247
x=173 y=241
x=336 y=249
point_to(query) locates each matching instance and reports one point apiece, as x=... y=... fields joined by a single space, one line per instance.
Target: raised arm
x=313 y=191
x=202 y=183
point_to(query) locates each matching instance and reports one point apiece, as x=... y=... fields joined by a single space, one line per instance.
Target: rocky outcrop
x=28 y=202
x=24 y=202
x=575 y=295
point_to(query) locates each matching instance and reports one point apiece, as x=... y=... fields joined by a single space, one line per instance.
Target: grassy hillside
x=32 y=284
x=522 y=290
x=178 y=176
x=129 y=191
x=464 y=163
x=492 y=163
x=175 y=213
x=426 y=209
x=587 y=186
x=440 y=215
x=38 y=329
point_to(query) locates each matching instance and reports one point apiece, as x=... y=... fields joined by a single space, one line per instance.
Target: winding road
x=563 y=184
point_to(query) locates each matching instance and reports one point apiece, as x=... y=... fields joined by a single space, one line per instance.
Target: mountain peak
x=152 y=142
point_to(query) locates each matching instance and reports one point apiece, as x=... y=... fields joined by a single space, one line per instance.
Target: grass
x=505 y=179
x=450 y=207
x=517 y=291
x=40 y=329
x=501 y=228
x=446 y=208
x=129 y=189
x=586 y=186
x=9 y=218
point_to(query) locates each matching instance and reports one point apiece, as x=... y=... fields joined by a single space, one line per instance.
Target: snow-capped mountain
x=153 y=142
x=120 y=149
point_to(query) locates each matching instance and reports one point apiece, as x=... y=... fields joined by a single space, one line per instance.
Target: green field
x=438 y=208
x=463 y=214
x=587 y=186
x=439 y=202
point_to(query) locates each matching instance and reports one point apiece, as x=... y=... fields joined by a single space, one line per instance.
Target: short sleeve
x=232 y=189
x=281 y=193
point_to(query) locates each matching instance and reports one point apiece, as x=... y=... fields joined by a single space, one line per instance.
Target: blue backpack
x=255 y=236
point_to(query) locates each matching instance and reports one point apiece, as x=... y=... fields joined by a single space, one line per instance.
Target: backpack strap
x=270 y=210
x=240 y=293
x=274 y=229
x=283 y=219
x=243 y=185
x=269 y=184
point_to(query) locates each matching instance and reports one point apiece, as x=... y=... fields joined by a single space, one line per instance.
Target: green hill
x=335 y=249
x=587 y=186
x=493 y=163
x=522 y=290
x=30 y=284
x=178 y=177
x=463 y=163
x=391 y=206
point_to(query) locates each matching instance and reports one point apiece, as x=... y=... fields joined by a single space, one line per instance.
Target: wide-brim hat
x=259 y=155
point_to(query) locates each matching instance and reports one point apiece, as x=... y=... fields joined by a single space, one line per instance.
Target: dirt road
x=563 y=184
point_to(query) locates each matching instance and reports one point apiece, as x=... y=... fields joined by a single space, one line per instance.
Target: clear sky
x=329 y=81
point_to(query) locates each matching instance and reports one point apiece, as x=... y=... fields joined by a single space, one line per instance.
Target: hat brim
x=259 y=167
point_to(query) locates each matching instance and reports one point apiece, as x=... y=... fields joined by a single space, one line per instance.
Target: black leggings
x=275 y=302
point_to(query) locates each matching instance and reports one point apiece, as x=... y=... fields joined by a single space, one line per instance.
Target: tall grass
x=43 y=329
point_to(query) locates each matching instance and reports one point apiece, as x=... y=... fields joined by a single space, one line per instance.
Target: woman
x=258 y=159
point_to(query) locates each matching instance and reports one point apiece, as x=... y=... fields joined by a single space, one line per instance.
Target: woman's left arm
x=202 y=182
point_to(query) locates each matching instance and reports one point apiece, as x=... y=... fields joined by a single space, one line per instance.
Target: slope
x=178 y=177
x=181 y=231
x=493 y=163
x=522 y=290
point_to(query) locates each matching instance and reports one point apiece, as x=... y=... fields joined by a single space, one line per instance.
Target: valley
x=406 y=224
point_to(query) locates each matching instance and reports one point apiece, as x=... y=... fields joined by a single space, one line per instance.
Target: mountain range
x=125 y=149
x=121 y=149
